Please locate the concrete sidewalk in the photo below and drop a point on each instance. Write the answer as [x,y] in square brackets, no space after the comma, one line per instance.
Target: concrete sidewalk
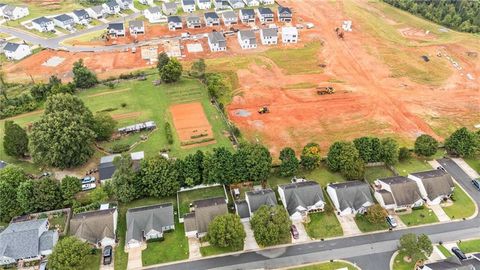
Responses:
[466,168]
[441,215]
[250,242]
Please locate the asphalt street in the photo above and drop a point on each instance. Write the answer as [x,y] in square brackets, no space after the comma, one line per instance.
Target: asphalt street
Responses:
[369,252]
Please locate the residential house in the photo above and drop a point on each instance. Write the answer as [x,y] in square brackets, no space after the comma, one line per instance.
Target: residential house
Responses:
[453,263]
[434,185]
[269,36]
[64,21]
[350,197]
[247,39]
[43,24]
[258,198]
[96,12]
[148,222]
[188,6]
[265,15]
[136,27]
[397,193]
[229,17]
[169,8]
[96,227]
[154,15]
[196,223]
[247,15]
[267,2]
[217,42]
[146,2]
[111,7]
[175,23]
[301,198]
[289,34]
[204,4]
[193,21]
[12,13]
[81,16]
[211,19]
[235,4]
[252,3]
[15,51]
[27,241]
[125,4]
[221,4]
[284,14]
[106,168]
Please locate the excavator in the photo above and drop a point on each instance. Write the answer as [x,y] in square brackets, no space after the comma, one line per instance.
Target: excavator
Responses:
[339,33]
[263,110]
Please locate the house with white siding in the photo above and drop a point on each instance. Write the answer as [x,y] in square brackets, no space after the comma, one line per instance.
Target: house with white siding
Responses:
[265,14]
[136,27]
[81,16]
[435,185]
[350,197]
[43,24]
[252,3]
[111,7]
[154,15]
[397,193]
[116,29]
[284,14]
[247,39]
[289,34]
[175,23]
[235,4]
[146,2]
[217,42]
[15,51]
[193,21]
[269,36]
[221,4]
[229,17]
[247,15]
[204,4]
[64,21]
[96,12]
[12,13]
[211,19]
[169,8]
[125,4]
[188,6]
[97,227]
[301,198]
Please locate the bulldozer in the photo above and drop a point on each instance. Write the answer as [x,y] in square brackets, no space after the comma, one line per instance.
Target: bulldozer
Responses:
[263,110]
[327,90]
[339,33]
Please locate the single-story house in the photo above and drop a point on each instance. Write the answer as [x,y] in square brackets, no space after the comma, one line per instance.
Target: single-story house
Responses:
[289,34]
[301,198]
[111,7]
[96,227]
[267,2]
[211,19]
[43,24]
[106,168]
[284,14]
[256,199]
[64,21]
[193,21]
[269,36]
[236,4]
[125,4]
[15,51]
[204,4]
[434,185]
[148,222]
[96,12]
[169,8]
[265,14]
[175,23]
[27,240]
[154,15]
[81,16]
[116,29]
[397,193]
[188,6]
[196,223]
[252,3]
[217,42]
[247,39]
[136,27]
[247,15]
[350,197]
[12,13]
[229,17]
[453,263]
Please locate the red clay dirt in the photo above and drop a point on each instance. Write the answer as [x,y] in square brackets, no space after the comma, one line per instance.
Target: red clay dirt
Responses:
[191,122]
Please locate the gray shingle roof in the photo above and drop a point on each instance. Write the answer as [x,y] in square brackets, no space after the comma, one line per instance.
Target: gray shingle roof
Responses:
[193,18]
[386,196]
[284,11]
[404,190]
[436,182]
[47,240]
[248,12]
[261,197]
[211,15]
[144,219]
[265,11]
[112,4]
[205,211]
[242,208]
[216,37]
[135,24]
[93,226]
[170,5]
[247,34]
[188,2]
[8,10]
[80,13]
[116,26]
[41,20]
[155,9]
[269,32]
[230,15]
[174,19]
[63,18]
[11,47]
[353,194]
[97,9]
[303,194]
[453,263]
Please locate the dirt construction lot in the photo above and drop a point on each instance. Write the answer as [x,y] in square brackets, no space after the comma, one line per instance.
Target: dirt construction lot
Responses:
[191,122]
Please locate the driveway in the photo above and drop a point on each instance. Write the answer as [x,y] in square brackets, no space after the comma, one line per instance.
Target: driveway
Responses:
[107,267]
[250,242]
[349,226]
[194,248]
[302,233]
[441,215]
[134,258]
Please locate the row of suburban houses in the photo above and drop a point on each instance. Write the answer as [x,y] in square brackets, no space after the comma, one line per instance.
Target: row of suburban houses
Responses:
[191,5]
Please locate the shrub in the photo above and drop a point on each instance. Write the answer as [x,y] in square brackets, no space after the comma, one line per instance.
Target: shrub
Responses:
[120,148]
[168,133]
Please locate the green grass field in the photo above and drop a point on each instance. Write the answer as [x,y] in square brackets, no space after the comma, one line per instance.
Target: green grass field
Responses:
[323,225]
[187,197]
[365,226]
[444,251]
[93,261]
[214,250]
[174,247]
[297,61]
[412,165]
[463,206]
[92,36]
[474,162]
[419,216]
[400,264]
[470,246]
[373,173]
[320,175]
[327,266]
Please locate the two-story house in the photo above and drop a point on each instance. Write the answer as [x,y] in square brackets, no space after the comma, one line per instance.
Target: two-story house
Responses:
[269,36]
[289,34]
[217,42]
[247,39]
[43,24]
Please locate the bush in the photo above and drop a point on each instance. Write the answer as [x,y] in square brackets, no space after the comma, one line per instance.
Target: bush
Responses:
[404,154]
[425,145]
[123,104]
[168,133]
[120,148]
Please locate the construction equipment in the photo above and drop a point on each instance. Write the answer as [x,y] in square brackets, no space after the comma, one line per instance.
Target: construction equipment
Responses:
[339,33]
[263,110]
[326,90]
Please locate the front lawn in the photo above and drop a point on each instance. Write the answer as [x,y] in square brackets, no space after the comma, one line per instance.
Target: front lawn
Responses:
[323,225]
[93,261]
[187,197]
[366,226]
[462,207]
[400,264]
[444,251]
[327,266]
[474,162]
[174,247]
[470,246]
[214,250]
[421,215]
[373,173]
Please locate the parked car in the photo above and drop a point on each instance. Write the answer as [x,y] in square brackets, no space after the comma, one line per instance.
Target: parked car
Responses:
[89,186]
[107,255]
[294,231]
[476,183]
[391,221]
[441,168]
[88,180]
[459,253]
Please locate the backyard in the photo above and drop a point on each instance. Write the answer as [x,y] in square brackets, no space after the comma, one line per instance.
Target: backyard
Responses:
[321,175]
[174,247]
[373,173]
[366,226]
[323,225]
[185,198]
[462,207]
[419,216]
[416,164]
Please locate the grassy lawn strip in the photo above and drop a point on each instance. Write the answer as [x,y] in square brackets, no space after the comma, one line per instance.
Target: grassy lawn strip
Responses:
[463,207]
[187,197]
[214,250]
[365,226]
[412,165]
[297,61]
[444,251]
[93,261]
[174,247]
[419,216]
[320,175]
[470,246]
[373,173]
[323,225]
[474,162]
[327,266]
[400,264]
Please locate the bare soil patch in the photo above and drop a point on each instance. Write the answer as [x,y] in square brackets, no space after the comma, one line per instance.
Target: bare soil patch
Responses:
[414,33]
[191,123]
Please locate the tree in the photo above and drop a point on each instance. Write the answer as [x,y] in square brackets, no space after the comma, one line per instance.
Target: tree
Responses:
[25,197]
[15,140]
[98,195]
[69,253]
[343,157]
[414,247]
[13,175]
[462,142]
[198,68]
[252,162]
[82,76]
[425,145]
[389,152]
[103,126]
[171,72]
[123,179]
[193,168]
[218,167]
[159,177]
[70,186]
[163,60]
[9,207]
[289,165]
[47,194]
[376,214]
[271,225]
[404,154]
[310,157]
[63,137]
[226,231]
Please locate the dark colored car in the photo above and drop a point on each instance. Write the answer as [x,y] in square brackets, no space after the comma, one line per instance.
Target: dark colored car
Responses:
[294,231]
[459,253]
[107,255]
[476,183]
[441,168]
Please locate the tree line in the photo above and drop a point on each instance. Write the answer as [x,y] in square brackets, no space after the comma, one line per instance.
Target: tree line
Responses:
[461,15]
